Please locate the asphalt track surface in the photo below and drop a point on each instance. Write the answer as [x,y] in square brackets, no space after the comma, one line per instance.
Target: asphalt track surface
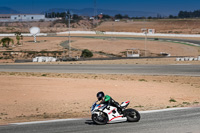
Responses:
[175,40]
[176,121]
[186,70]
[197,42]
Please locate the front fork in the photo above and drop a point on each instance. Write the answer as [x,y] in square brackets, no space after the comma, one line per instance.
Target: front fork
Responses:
[99,115]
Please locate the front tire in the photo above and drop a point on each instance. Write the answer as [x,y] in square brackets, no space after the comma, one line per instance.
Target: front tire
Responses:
[132,115]
[100,120]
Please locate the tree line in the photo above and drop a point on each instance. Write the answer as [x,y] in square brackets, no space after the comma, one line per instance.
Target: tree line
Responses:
[77,17]
[62,15]
[181,14]
[186,14]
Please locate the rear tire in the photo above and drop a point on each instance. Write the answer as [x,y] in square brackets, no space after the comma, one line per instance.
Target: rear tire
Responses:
[100,120]
[132,115]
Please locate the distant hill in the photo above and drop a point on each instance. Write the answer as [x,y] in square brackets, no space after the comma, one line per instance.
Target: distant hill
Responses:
[90,12]
[86,12]
[6,10]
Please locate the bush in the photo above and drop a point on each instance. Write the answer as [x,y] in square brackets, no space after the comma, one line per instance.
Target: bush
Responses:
[172,100]
[41,20]
[86,53]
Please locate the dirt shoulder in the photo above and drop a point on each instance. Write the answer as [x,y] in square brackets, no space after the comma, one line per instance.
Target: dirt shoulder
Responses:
[44,96]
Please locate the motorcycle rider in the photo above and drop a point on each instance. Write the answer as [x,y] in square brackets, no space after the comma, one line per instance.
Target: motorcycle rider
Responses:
[103,99]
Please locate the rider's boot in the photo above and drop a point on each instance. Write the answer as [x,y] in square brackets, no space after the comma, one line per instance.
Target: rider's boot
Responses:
[120,109]
[116,104]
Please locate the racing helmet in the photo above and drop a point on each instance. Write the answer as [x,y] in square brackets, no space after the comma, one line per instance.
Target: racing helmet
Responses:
[100,95]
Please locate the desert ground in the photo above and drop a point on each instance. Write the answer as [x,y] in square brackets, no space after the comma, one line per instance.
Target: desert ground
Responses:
[177,26]
[45,96]
[118,46]
[109,45]
[45,27]
[173,26]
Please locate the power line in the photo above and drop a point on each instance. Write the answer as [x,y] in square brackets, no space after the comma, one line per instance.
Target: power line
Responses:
[95,11]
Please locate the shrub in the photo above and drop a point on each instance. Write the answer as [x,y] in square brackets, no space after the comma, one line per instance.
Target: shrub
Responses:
[44,75]
[41,20]
[187,103]
[195,102]
[172,100]
[143,80]
[86,53]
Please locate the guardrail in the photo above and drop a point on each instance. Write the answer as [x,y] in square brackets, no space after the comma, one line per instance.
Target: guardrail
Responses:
[24,34]
[188,58]
[129,33]
[111,33]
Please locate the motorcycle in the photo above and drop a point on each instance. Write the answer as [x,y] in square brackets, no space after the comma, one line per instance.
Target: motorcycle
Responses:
[104,113]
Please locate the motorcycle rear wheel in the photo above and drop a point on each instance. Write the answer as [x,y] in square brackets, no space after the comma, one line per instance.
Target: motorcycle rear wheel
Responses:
[132,115]
[100,120]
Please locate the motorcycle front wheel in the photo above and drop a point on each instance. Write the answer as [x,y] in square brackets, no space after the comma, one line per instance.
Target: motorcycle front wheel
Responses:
[132,115]
[100,120]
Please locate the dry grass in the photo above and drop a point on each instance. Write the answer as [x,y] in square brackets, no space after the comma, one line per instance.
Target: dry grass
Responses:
[179,26]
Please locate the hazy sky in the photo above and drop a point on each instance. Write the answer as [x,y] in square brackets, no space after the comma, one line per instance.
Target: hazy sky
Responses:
[158,6]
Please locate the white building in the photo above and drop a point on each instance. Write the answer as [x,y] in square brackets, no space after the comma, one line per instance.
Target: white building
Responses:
[133,52]
[27,17]
[24,17]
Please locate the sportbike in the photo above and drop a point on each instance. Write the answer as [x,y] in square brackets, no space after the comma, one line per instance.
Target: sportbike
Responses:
[104,113]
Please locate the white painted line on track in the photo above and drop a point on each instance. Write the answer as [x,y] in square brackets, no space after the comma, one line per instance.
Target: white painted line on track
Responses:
[180,64]
[64,120]
[163,110]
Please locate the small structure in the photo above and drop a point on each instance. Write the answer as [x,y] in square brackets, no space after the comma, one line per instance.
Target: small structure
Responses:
[144,30]
[148,31]
[133,52]
[151,31]
[91,18]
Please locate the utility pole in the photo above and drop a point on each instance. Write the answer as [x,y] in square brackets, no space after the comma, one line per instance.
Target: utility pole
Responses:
[95,12]
[69,38]
[113,31]
[68,16]
[146,43]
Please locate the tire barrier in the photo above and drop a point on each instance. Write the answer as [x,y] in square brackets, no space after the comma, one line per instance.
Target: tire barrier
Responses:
[188,59]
